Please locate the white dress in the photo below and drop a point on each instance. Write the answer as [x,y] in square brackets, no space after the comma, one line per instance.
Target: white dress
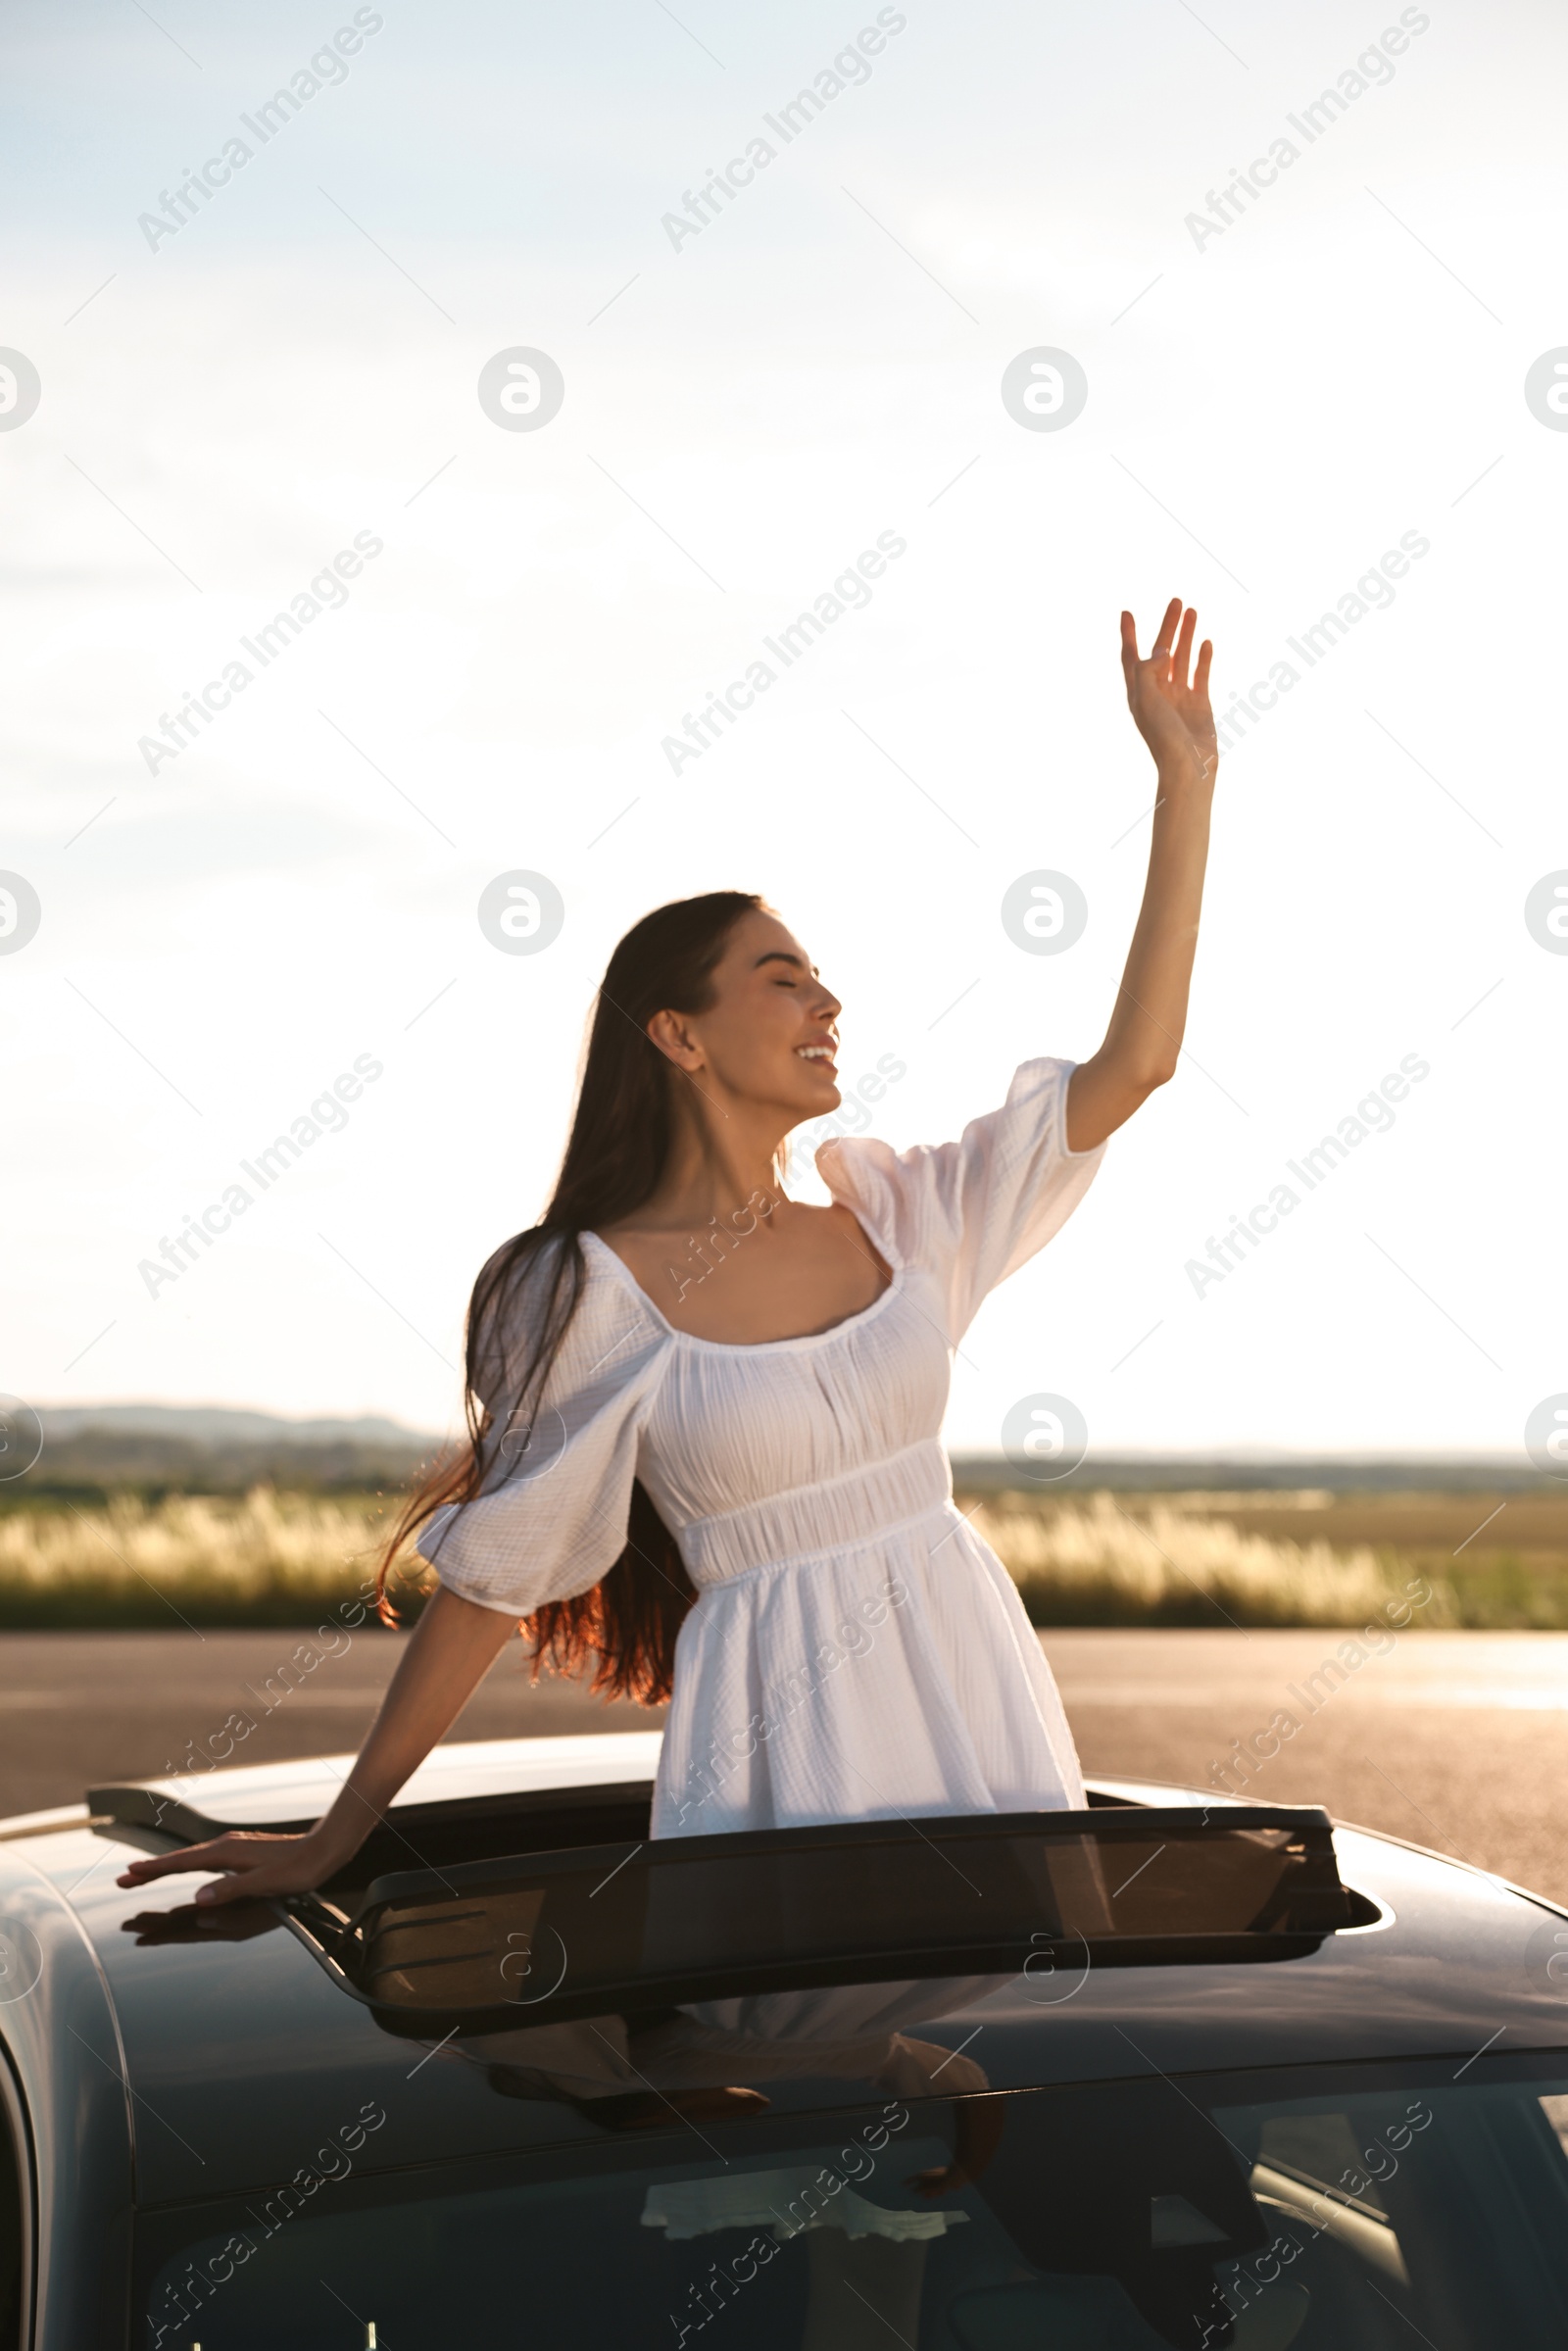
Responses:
[856,1650]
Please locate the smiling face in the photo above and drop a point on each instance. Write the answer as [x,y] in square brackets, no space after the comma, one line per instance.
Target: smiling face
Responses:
[770,1037]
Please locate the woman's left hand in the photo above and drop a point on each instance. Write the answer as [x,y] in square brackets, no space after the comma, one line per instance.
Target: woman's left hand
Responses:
[1171,714]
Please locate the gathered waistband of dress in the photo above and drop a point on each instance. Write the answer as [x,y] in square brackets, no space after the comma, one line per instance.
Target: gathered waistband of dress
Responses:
[807,1520]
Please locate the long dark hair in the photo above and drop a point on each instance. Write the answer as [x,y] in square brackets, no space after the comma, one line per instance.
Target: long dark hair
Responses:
[617,1151]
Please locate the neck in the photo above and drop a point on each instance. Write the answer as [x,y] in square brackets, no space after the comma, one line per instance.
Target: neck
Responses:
[722,1157]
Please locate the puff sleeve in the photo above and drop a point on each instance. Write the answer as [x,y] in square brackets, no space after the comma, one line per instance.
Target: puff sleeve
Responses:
[550,1519]
[971,1212]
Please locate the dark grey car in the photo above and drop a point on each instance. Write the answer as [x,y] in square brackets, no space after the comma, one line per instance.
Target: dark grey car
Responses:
[1171,2072]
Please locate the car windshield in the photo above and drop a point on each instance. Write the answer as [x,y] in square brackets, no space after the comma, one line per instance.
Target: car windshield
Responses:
[1329,2208]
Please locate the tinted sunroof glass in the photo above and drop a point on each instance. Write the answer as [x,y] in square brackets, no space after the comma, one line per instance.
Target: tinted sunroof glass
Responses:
[575,1925]
[1327,2209]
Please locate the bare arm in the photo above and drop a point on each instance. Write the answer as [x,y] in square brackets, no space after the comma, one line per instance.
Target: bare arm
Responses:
[1147,1024]
[447,1655]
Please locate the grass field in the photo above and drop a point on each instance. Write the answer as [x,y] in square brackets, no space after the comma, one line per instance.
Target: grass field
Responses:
[261,1558]
[1486,1561]
[1489,1562]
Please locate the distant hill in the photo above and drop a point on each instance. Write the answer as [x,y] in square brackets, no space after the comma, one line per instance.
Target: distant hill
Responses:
[1261,1469]
[92,1450]
[218,1424]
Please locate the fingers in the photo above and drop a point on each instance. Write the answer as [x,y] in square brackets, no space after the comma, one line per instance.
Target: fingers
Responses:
[217,1853]
[1184,650]
[1172,650]
[1159,651]
[159,1865]
[245,1865]
[238,1885]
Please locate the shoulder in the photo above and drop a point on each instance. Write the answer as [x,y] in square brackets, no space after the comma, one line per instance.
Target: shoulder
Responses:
[639,1259]
[530,1282]
[565,1296]
[974,1209]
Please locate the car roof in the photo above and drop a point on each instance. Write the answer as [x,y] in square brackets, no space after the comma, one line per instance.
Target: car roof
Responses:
[244,2058]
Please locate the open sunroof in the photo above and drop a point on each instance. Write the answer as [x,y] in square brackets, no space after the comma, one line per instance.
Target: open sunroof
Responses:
[485,1946]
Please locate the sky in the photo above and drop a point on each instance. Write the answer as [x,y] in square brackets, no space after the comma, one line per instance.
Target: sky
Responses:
[1287,383]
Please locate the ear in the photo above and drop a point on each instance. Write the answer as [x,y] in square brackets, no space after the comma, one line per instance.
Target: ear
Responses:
[672,1033]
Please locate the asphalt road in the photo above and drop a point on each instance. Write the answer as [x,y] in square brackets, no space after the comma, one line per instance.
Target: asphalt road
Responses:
[1457,1741]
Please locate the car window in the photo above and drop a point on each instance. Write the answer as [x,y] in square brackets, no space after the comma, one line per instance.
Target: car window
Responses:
[1330,2209]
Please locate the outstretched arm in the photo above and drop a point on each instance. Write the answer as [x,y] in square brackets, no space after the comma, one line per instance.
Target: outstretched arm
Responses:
[1145,1035]
[447,1655]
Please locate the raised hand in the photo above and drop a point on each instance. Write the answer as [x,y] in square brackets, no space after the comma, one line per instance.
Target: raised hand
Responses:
[1172,715]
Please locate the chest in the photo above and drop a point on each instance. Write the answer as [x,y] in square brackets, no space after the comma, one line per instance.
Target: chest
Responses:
[732,1424]
[800,1274]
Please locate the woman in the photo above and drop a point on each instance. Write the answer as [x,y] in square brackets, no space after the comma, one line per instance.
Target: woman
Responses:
[679,1346]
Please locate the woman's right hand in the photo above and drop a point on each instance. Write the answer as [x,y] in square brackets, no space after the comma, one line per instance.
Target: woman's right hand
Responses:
[255,1865]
